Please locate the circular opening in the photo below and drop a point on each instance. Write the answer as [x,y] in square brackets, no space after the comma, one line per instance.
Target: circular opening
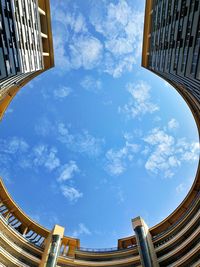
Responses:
[97,140]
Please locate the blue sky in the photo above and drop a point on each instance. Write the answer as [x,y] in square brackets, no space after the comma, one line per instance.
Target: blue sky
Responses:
[98,140]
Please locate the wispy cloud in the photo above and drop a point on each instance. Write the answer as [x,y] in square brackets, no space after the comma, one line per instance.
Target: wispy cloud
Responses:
[38,157]
[166,153]
[91,84]
[183,187]
[113,45]
[117,68]
[81,143]
[67,171]
[61,59]
[180,188]
[117,159]
[46,157]
[72,20]
[62,92]
[71,193]
[74,45]
[11,150]
[81,230]
[173,124]
[64,23]
[85,51]
[44,127]
[190,150]
[121,196]
[140,102]
[119,193]
[116,163]
[121,26]
[13,145]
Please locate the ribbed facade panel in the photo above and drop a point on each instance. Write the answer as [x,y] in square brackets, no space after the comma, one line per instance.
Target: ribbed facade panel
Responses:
[20,41]
[174,49]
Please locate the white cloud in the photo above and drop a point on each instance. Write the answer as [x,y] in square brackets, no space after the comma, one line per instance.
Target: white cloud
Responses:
[85,51]
[191,152]
[43,126]
[115,165]
[121,26]
[18,151]
[180,188]
[60,41]
[81,143]
[44,156]
[140,103]
[173,124]
[73,21]
[12,151]
[162,157]
[79,24]
[67,171]
[62,92]
[116,68]
[119,46]
[71,193]
[120,196]
[165,153]
[91,84]
[184,187]
[117,159]
[82,230]
[65,22]
[89,144]
[76,45]
[14,145]
[157,137]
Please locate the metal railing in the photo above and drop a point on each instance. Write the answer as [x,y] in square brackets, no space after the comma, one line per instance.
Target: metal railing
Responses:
[104,250]
[194,201]
[38,240]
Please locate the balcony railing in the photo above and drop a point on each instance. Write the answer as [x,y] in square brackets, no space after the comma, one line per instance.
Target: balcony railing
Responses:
[104,250]
[194,201]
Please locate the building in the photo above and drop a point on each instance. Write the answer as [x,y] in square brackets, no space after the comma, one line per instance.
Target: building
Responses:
[26,47]
[172,43]
[173,242]
[170,50]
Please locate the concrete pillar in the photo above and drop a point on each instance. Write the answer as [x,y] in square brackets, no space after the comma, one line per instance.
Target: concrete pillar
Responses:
[71,250]
[24,230]
[145,244]
[7,215]
[52,247]
[54,251]
[65,250]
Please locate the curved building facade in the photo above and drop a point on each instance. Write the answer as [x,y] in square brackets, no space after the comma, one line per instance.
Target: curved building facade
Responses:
[171,47]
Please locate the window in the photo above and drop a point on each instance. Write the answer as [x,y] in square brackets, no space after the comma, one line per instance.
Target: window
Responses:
[195,54]
[196,5]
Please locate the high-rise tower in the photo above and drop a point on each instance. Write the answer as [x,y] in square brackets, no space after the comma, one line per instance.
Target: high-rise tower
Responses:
[171,44]
[171,49]
[26,47]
